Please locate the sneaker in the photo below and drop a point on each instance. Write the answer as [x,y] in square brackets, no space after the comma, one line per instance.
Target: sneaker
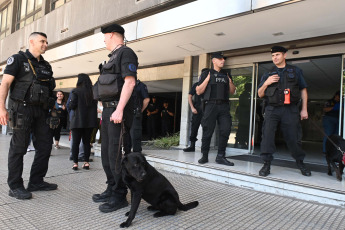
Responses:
[44,186]
[20,193]
[57,147]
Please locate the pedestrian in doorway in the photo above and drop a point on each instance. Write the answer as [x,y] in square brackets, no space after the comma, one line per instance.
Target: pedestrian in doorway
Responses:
[330,120]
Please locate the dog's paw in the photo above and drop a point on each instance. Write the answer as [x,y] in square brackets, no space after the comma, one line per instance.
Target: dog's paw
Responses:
[329,173]
[127,214]
[124,225]
[339,178]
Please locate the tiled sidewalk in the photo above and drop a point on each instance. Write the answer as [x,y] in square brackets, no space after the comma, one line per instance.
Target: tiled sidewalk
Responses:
[221,206]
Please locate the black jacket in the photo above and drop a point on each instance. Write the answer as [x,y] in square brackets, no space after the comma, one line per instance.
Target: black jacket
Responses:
[84,116]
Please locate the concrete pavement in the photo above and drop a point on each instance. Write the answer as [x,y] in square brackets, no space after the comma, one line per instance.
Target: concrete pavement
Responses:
[221,206]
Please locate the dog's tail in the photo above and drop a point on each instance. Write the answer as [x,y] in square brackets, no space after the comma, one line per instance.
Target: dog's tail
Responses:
[185,207]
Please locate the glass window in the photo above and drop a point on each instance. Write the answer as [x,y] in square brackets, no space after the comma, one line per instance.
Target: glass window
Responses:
[28,11]
[4,22]
[57,3]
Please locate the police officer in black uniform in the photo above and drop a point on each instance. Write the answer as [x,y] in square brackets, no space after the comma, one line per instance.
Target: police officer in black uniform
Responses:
[166,116]
[216,86]
[141,100]
[152,118]
[29,78]
[282,87]
[195,106]
[114,88]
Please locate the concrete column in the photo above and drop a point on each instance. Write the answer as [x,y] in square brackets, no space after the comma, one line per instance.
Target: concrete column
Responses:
[185,114]
[204,62]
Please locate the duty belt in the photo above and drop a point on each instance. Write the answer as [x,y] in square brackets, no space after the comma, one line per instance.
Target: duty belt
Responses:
[110,104]
[218,102]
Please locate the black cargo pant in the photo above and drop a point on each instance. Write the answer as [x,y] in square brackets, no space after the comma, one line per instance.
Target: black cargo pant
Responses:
[110,143]
[213,113]
[136,132]
[196,121]
[35,121]
[289,119]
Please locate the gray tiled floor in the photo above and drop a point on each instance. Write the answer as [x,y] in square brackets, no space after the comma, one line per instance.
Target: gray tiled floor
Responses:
[221,206]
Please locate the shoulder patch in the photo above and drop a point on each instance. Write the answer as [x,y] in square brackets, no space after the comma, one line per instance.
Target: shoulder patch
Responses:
[10,60]
[132,67]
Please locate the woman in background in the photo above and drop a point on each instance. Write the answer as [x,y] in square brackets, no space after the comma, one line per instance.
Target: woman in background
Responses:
[84,118]
[60,108]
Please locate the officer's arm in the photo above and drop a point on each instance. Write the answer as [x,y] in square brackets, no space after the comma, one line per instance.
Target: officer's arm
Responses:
[232,88]
[304,111]
[155,112]
[190,102]
[126,93]
[145,103]
[4,88]
[261,90]
[200,89]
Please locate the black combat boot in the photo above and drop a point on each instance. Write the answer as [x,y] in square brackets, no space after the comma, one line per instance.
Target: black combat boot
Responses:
[203,159]
[104,196]
[191,148]
[304,170]
[115,202]
[20,193]
[265,170]
[220,159]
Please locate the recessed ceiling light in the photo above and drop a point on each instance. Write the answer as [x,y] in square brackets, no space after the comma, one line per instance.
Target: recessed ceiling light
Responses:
[278,34]
[139,51]
[90,61]
[219,34]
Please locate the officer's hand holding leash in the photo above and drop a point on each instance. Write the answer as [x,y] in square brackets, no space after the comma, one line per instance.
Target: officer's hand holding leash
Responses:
[117,116]
[194,111]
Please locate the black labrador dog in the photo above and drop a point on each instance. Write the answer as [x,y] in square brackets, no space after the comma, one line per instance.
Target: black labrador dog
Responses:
[145,182]
[333,155]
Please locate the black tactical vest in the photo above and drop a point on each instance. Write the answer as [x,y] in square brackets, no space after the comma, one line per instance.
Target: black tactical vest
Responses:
[110,81]
[218,87]
[275,91]
[22,89]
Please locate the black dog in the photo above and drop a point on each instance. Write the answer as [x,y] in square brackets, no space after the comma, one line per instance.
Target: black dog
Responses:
[335,156]
[147,183]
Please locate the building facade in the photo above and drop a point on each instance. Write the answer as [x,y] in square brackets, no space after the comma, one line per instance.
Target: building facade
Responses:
[173,40]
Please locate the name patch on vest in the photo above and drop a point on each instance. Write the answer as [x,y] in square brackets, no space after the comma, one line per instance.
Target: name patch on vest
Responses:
[26,67]
[221,80]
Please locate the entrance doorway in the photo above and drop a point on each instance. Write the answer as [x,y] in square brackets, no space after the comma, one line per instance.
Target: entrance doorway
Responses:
[323,76]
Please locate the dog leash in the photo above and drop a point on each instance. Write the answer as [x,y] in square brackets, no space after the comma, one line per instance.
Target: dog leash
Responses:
[120,150]
[336,146]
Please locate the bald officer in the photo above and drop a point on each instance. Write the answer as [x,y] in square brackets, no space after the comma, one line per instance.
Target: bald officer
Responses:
[30,81]
[115,87]
[282,88]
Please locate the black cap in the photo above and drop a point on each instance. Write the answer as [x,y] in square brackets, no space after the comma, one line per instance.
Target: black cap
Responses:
[218,55]
[275,49]
[113,28]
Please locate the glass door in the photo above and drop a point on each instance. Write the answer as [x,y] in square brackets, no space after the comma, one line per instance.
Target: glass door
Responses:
[342,92]
[241,104]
